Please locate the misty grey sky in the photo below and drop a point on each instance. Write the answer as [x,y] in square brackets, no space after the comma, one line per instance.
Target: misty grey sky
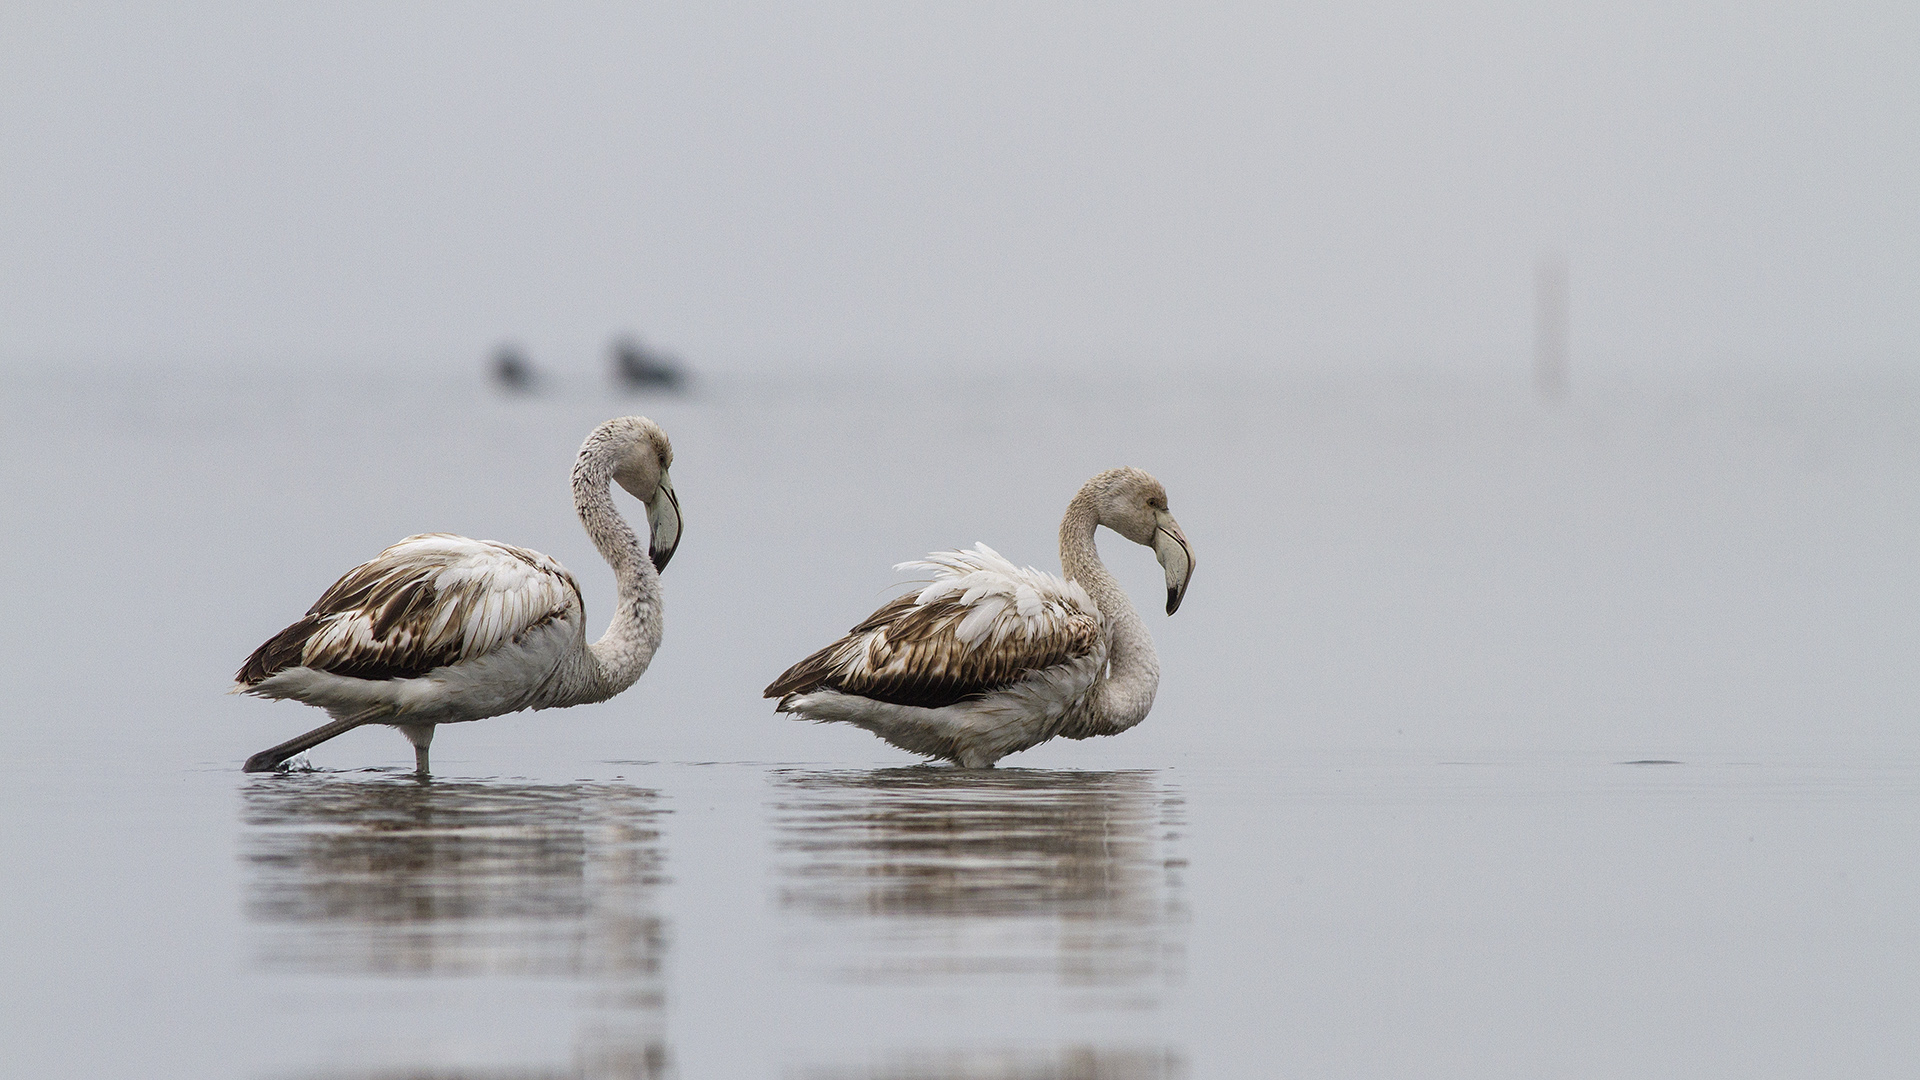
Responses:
[760,185]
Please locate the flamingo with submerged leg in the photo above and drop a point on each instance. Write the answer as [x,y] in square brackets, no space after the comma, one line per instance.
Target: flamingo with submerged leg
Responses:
[440,629]
[989,659]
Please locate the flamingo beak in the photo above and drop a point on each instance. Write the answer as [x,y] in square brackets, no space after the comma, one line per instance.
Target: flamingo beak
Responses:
[1176,558]
[663,524]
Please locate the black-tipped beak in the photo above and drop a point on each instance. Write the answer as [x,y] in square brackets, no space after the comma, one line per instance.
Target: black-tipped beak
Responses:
[663,525]
[1176,558]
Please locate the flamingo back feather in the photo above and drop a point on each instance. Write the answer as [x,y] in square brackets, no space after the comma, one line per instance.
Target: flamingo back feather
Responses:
[426,602]
[981,624]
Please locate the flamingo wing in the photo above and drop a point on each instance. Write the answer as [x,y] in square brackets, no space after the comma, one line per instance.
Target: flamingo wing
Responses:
[980,625]
[426,602]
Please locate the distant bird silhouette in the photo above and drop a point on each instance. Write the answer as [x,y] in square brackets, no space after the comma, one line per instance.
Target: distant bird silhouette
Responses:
[438,629]
[512,369]
[637,367]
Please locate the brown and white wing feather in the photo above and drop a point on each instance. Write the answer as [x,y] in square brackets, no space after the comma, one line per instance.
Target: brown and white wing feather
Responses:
[426,602]
[982,624]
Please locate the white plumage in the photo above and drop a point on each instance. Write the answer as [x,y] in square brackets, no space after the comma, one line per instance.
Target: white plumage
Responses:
[440,629]
[482,595]
[988,658]
[1005,604]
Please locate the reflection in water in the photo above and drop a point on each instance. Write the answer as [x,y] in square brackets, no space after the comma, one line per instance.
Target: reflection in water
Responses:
[458,879]
[945,880]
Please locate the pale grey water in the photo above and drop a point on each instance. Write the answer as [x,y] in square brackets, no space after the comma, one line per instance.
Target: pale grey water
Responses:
[1378,824]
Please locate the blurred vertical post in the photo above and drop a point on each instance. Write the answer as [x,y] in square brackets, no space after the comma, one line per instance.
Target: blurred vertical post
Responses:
[1550,331]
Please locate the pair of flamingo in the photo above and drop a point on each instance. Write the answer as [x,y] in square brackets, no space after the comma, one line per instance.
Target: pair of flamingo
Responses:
[986,660]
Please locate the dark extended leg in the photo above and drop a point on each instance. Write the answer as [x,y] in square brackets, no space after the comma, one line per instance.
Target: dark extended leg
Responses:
[270,759]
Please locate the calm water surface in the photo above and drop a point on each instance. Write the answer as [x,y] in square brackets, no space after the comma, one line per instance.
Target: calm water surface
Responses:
[1392,814]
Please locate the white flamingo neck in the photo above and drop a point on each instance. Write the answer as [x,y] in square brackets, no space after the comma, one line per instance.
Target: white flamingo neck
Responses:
[1121,699]
[622,654]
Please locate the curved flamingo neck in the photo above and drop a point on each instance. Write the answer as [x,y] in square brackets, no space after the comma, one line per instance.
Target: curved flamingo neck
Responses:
[622,654]
[1121,699]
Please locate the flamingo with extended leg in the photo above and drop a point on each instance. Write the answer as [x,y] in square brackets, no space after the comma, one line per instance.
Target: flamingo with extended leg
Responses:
[989,659]
[439,629]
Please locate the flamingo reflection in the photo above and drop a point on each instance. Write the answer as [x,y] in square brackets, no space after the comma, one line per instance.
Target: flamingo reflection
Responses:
[394,877]
[948,882]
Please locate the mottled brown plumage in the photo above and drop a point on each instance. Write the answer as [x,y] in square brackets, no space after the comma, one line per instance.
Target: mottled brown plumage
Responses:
[912,653]
[388,619]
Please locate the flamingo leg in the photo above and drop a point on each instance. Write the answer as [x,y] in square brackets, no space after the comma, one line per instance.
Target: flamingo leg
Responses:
[269,759]
[421,735]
